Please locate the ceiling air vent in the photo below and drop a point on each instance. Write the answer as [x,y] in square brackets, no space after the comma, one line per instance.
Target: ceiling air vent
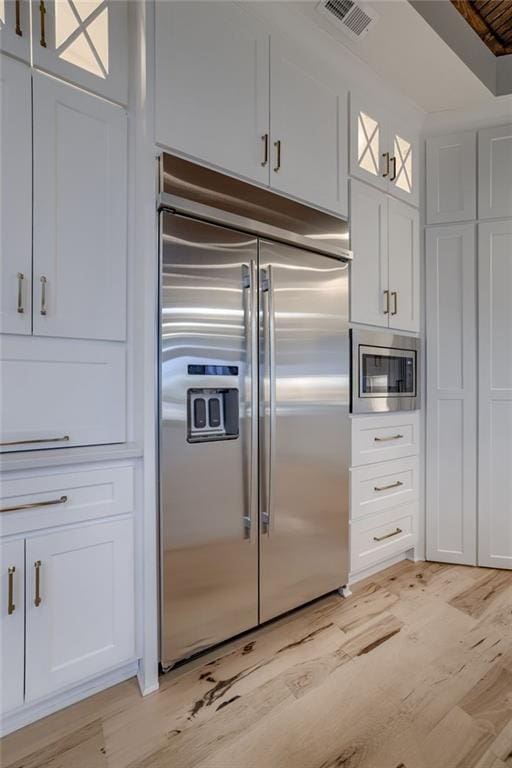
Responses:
[355,19]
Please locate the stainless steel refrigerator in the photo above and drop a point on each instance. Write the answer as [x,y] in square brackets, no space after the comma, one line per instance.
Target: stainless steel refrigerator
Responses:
[254,429]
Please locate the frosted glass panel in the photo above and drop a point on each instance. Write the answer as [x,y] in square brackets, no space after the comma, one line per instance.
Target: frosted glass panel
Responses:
[403,155]
[81,34]
[368,143]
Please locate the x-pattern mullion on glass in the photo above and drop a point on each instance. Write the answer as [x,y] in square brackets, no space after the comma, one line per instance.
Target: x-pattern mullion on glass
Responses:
[368,154]
[82,30]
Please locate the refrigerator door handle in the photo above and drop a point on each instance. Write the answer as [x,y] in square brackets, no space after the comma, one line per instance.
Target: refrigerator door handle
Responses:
[251,399]
[269,397]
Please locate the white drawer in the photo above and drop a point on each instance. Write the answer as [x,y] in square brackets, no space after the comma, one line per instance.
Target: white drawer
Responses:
[384,437]
[381,486]
[381,536]
[81,495]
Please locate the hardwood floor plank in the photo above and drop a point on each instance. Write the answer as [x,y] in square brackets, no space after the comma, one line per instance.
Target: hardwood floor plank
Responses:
[476,599]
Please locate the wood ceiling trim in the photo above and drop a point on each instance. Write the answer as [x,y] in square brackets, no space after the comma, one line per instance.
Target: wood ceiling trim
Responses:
[480,15]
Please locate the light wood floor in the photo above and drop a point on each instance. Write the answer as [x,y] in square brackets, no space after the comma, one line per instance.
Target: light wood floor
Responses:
[413,671]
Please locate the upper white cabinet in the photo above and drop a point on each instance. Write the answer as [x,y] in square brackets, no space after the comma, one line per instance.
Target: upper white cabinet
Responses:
[12,623]
[15,28]
[451,178]
[385,270]
[84,42]
[15,197]
[495,394]
[495,172]
[452,392]
[308,128]
[212,85]
[383,153]
[80,200]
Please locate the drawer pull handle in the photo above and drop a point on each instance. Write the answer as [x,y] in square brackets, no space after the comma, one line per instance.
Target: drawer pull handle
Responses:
[37,598]
[64,438]
[388,535]
[385,439]
[35,504]
[20,309]
[387,487]
[10,601]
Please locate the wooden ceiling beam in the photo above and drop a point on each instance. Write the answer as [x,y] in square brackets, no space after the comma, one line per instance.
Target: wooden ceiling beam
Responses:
[480,26]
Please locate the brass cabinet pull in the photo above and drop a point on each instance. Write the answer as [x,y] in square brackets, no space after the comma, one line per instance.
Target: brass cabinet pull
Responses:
[20,308]
[388,535]
[386,297]
[37,598]
[43,294]
[393,175]
[394,294]
[10,600]
[277,145]
[35,504]
[387,487]
[42,12]
[64,438]
[18,18]
[386,156]
[385,439]
[264,139]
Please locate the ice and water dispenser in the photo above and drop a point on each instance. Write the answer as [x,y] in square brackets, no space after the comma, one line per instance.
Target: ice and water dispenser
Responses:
[212,412]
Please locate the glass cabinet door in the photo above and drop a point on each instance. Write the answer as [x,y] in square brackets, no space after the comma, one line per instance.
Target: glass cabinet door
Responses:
[369,159]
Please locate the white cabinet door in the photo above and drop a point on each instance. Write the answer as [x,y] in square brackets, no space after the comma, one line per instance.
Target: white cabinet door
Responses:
[15,28]
[80,604]
[495,395]
[404,165]
[83,42]
[451,178]
[15,197]
[404,266]
[369,152]
[369,297]
[61,392]
[212,85]
[12,623]
[451,393]
[495,172]
[80,213]
[308,129]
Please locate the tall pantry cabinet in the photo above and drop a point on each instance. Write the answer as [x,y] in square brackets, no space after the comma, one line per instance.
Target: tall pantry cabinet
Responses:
[469,355]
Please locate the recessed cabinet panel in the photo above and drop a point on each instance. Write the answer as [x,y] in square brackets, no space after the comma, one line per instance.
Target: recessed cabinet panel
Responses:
[404,265]
[495,172]
[12,623]
[369,296]
[308,129]
[451,178]
[84,42]
[80,199]
[451,386]
[60,393]
[80,604]
[212,85]
[15,28]
[15,197]
[495,394]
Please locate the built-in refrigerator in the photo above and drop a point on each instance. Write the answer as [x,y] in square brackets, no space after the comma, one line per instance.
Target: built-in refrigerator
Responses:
[254,428]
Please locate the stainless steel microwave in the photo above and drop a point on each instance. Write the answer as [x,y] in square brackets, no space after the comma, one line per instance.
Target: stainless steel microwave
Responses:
[385,372]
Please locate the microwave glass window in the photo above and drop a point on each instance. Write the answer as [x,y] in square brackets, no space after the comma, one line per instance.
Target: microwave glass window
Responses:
[387,374]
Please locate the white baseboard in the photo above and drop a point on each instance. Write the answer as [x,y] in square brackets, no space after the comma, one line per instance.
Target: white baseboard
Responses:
[29,713]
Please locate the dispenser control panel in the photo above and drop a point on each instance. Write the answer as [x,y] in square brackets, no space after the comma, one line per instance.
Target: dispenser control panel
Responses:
[212,414]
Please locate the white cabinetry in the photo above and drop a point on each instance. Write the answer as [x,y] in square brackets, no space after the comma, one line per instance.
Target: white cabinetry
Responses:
[451,387]
[85,43]
[15,197]
[495,394]
[451,178]
[80,201]
[385,270]
[308,128]
[12,623]
[382,153]
[495,172]
[80,610]
[212,85]
[15,28]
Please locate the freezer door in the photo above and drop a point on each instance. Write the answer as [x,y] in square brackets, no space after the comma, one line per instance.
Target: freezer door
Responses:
[304,427]
[208,437]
